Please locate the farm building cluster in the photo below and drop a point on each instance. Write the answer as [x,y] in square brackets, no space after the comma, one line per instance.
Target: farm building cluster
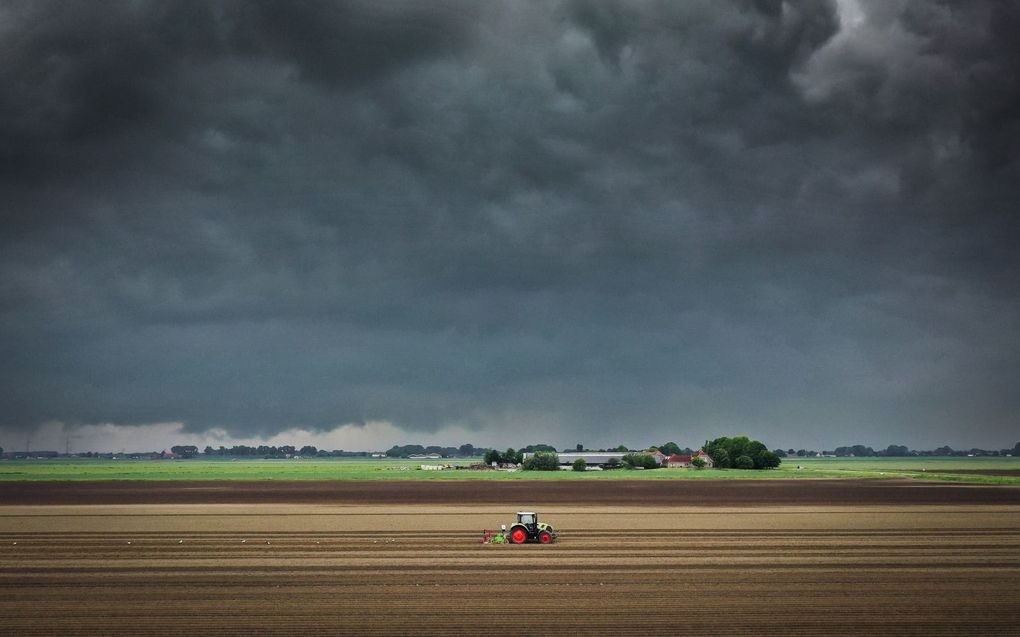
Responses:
[601,459]
[594,461]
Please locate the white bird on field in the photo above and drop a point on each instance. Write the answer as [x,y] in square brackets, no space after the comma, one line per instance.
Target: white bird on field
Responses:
[180,541]
[244,541]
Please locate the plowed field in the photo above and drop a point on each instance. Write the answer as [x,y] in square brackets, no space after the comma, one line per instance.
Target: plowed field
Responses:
[420,569]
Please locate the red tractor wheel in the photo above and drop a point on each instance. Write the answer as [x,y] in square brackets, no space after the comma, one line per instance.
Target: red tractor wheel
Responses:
[545,537]
[518,535]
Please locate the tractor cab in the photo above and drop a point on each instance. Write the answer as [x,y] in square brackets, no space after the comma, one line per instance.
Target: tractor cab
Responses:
[529,529]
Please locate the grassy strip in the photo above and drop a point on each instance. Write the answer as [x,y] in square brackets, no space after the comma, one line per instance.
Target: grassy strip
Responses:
[148,470]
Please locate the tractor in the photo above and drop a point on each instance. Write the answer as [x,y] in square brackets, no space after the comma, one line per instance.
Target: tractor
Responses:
[529,529]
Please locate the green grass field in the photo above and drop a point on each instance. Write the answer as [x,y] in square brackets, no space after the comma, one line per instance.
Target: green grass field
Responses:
[387,469]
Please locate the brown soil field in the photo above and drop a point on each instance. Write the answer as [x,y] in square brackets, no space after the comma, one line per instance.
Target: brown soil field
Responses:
[552,492]
[393,569]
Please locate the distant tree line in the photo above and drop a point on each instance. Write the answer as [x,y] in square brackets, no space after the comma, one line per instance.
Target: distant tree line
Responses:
[740,445]
[510,456]
[896,451]
[269,451]
[404,451]
[667,448]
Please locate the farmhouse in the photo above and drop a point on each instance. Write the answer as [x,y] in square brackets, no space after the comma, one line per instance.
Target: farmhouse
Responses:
[700,453]
[686,461]
[679,462]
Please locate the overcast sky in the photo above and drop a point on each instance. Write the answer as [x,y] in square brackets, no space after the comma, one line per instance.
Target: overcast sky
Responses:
[362,223]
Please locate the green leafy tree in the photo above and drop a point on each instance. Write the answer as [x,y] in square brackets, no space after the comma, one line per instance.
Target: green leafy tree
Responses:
[643,460]
[720,457]
[537,448]
[726,451]
[622,448]
[492,456]
[613,463]
[744,462]
[769,460]
[580,447]
[580,465]
[670,448]
[542,461]
[698,462]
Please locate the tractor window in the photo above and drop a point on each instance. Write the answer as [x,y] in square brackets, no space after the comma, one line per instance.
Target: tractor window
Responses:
[527,519]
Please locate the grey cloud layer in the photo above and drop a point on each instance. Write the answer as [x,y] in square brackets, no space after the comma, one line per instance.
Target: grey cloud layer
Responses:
[620,219]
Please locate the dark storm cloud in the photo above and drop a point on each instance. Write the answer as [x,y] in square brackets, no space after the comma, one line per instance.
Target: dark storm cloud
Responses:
[603,221]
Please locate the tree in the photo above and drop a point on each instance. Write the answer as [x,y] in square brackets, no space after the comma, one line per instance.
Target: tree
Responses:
[466,450]
[542,461]
[580,447]
[308,450]
[744,462]
[1016,449]
[622,449]
[185,451]
[769,460]
[643,460]
[725,452]
[779,452]
[539,447]
[721,457]
[698,462]
[491,456]
[896,450]
[580,465]
[670,448]
[613,463]
[513,457]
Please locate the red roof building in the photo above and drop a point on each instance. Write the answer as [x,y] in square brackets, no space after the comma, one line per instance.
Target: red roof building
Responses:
[678,462]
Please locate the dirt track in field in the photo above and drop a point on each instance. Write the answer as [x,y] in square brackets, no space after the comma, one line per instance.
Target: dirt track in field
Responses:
[385,569]
[537,492]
